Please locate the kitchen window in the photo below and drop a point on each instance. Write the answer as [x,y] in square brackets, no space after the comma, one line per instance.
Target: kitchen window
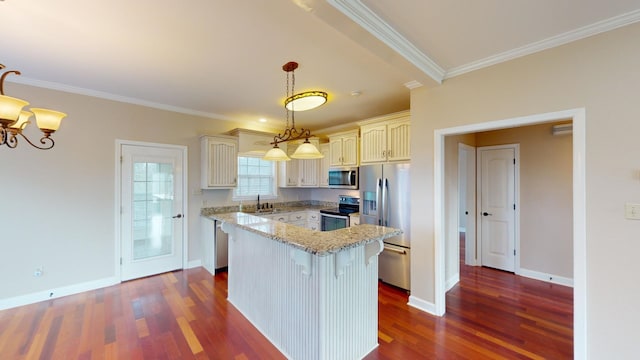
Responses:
[255,177]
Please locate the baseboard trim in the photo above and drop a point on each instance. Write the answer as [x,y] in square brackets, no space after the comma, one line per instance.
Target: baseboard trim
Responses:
[452,281]
[56,293]
[555,279]
[423,305]
[194,264]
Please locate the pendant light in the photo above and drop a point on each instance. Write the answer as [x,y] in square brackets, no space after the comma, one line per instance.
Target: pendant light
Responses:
[306,150]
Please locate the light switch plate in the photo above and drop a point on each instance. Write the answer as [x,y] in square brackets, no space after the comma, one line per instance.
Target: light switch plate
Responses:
[632,211]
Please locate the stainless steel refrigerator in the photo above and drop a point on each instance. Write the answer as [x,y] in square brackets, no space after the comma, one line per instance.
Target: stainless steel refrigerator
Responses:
[385,200]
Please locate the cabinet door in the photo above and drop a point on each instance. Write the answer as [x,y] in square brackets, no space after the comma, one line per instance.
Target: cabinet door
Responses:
[323,176]
[399,141]
[373,143]
[220,162]
[350,150]
[308,172]
[336,151]
[292,172]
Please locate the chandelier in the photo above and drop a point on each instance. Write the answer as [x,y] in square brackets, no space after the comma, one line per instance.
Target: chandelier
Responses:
[306,100]
[13,119]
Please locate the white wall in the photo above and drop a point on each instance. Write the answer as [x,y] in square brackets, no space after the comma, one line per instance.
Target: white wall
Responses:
[601,74]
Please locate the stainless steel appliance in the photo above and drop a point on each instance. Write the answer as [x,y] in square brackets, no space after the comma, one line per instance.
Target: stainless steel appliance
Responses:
[343,178]
[338,218]
[385,198]
[221,243]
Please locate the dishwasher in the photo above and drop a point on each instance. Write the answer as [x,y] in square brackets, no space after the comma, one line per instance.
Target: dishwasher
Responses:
[222,251]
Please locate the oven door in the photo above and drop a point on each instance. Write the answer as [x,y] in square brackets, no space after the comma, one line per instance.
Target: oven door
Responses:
[333,222]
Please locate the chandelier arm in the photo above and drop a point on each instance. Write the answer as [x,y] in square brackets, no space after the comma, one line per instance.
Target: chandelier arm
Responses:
[46,141]
[4,135]
[4,75]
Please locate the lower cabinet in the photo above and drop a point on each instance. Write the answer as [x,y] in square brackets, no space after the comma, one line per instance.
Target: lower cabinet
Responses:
[307,219]
[313,220]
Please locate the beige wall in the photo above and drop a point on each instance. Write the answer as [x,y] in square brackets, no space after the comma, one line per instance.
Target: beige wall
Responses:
[600,74]
[58,205]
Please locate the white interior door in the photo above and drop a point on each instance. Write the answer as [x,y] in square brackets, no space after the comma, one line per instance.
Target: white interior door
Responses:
[151,210]
[496,210]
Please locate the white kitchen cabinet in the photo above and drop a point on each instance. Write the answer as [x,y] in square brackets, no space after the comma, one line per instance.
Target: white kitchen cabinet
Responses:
[299,172]
[354,219]
[386,139]
[313,220]
[219,162]
[344,148]
[325,163]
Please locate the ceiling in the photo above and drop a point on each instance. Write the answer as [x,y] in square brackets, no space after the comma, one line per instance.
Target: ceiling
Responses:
[223,58]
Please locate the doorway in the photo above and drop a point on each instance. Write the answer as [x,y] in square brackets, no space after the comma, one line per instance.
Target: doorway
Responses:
[578,118]
[152,179]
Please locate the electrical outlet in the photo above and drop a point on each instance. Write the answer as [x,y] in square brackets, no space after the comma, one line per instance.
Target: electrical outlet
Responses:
[632,211]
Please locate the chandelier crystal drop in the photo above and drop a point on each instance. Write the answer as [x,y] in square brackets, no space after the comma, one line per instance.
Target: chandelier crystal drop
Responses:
[13,119]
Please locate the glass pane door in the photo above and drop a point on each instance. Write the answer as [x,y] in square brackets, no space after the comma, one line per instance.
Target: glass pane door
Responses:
[152,209]
[152,216]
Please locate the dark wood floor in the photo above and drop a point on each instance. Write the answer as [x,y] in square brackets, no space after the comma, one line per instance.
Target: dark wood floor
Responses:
[185,315]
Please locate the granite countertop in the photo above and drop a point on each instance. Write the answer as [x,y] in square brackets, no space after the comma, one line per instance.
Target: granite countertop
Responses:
[279,208]
[319,243]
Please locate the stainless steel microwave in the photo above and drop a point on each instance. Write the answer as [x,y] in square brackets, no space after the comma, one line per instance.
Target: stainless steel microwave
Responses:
[343,178]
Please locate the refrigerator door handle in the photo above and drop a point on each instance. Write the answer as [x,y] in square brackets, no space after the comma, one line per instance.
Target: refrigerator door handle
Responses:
[385,194]
[379,206]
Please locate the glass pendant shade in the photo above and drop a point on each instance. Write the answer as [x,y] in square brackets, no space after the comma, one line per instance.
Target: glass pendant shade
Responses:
[276,154]
[13,119]
[11,107]
[305,101]
[48,119]
[23,120]
[306,150]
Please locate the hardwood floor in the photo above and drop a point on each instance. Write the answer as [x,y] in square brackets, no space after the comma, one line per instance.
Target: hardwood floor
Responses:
[185,315]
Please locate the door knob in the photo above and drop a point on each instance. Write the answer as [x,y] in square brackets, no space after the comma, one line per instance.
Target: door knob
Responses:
[177,216]
[486,214]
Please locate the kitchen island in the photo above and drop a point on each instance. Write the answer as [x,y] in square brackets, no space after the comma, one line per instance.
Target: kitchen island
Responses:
[313,294]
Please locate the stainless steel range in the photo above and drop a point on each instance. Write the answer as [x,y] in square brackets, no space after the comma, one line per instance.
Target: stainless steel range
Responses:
[338,218]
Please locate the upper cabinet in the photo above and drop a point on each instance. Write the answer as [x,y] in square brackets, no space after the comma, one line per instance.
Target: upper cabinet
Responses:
[344,149]
[219,162]
[386,138]
[323,177]
[298,172]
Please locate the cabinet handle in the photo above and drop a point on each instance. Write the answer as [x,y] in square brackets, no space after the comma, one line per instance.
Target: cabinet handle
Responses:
[389,153]
[384,153]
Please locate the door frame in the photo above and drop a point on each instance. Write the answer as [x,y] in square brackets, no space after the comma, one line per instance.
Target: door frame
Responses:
[469,179]
[578,116]
[516,199]
[118,201]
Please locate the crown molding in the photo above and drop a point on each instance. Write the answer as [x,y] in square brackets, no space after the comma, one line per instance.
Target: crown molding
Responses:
[370,21]
[554,41]
[108,96]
